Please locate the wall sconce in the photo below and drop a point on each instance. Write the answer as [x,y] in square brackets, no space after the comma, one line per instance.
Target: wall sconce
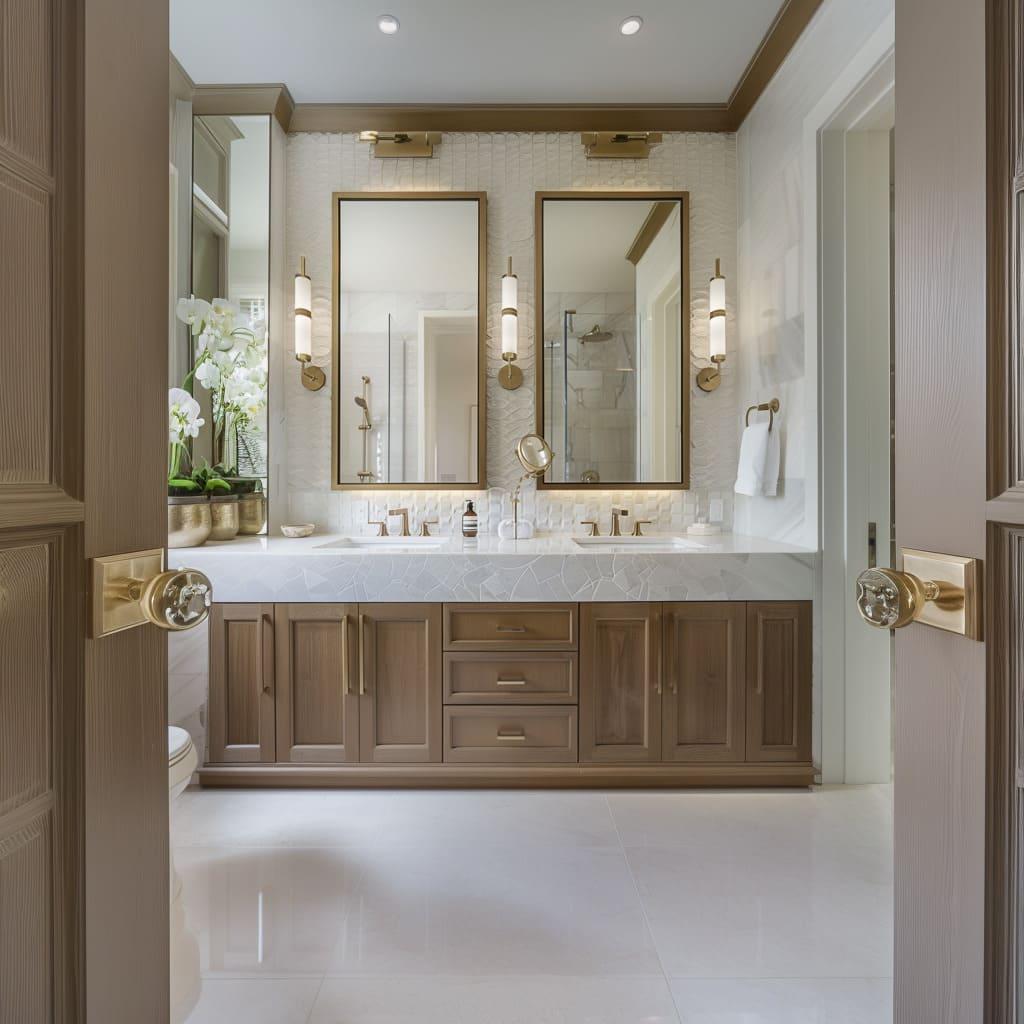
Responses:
[619,145]
[313,378]
[711,377]
[401,144]
[510,376]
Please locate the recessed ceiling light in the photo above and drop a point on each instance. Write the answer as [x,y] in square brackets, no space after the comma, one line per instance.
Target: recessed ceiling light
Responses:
[388,24]
[631,25]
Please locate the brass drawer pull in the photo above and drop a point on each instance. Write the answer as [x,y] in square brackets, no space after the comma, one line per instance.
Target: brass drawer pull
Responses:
[506,735]
[362,655]
[346,682]
[511,629]
[511,682]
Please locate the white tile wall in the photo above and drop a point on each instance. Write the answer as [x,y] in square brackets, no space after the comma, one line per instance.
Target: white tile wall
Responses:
[510,168]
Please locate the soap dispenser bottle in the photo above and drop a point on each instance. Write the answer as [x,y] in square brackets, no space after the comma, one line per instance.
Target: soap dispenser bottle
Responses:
[469,521]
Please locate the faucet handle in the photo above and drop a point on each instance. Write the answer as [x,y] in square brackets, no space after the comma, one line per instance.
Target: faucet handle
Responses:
[381,524]
[637,524]
[425,525]
[593,531]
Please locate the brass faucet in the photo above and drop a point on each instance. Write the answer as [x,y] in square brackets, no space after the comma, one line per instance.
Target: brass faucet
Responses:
[616,513]
[594,531]
[637,531]
[404,513]
[425,526]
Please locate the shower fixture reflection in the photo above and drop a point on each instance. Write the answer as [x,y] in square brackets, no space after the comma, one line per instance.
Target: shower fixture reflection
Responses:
[365,476]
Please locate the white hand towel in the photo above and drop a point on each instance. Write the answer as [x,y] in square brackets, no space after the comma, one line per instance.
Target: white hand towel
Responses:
[758,471]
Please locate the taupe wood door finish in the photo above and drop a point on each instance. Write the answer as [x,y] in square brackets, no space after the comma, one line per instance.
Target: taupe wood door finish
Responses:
[317,703]
[83,349]
[510,627]
[620,682]
[242,683]
[399,678]
[941,369]
[703,707]
[779,681]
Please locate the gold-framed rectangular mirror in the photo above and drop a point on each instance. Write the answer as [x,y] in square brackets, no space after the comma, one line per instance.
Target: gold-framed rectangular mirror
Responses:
[613,319]
[409,285]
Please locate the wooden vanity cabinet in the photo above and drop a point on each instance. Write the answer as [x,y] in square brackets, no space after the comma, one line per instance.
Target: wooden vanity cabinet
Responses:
[620,682]
[631,693]
[317,702]
[703,709]
[779,681]
[399,682]
[242,683]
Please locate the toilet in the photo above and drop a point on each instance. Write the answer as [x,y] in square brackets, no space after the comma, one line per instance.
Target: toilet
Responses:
[181,763]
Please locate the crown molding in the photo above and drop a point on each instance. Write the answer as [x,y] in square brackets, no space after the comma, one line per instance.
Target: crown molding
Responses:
[508,117]
[789,24]
[275,100]
[181,85]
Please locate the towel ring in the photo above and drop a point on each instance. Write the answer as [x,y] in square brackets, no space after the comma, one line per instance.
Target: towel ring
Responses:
[771,408]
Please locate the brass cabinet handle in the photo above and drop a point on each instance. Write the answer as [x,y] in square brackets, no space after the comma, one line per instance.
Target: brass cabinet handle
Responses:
[506,735]
[511,682]
[510,629]
[346,682]
[362,655]
[267,678]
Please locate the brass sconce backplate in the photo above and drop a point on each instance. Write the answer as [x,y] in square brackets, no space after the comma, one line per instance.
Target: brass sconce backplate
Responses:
[619,145]
[401,144]
[709,379]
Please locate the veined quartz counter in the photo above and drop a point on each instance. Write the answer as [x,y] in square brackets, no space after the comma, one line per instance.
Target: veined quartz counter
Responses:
[725,567]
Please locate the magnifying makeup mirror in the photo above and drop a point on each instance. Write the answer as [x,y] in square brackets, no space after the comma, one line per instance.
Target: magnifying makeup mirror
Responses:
[535,456]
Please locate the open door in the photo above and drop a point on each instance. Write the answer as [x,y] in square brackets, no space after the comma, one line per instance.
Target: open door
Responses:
[83,439]
[959,481]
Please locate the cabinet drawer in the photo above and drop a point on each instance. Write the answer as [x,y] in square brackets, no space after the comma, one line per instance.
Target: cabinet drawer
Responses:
[510,627]
[528,678]
[510,735]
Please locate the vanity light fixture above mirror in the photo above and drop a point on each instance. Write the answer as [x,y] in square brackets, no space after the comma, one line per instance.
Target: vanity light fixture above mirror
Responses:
[401,144]
[313,378]
[510,376]
[710,377]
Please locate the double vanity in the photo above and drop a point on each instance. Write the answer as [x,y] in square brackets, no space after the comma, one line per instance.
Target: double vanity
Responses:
[604,661]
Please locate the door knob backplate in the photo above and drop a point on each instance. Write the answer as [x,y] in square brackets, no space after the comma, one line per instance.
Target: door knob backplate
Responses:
[943,591]
[130,590]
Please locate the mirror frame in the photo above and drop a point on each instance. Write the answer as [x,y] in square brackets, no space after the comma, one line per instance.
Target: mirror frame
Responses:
[683,198]
[480,483]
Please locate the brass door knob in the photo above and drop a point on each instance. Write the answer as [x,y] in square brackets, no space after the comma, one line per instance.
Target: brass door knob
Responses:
[891,599]
[177,599]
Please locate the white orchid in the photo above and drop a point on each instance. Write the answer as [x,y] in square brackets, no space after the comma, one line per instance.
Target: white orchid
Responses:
[184,422]
[209,375]
[194,312]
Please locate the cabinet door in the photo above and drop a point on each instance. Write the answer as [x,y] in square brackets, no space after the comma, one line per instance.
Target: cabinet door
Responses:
[779,681]
[317,706]
[241,683]
[620,682]
[703,708]
[399,677]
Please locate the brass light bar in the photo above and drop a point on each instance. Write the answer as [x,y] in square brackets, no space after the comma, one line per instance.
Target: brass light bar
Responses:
[401,144]
[619,145]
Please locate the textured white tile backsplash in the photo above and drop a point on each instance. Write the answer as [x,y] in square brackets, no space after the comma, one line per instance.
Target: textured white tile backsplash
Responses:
[510,168]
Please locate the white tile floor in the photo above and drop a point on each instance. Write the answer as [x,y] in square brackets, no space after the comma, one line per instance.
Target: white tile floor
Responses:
[359,907]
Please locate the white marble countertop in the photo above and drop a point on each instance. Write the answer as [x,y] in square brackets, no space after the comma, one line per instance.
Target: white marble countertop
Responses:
[722,567]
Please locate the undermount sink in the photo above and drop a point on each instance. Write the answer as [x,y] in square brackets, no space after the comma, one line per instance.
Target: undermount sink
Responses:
[385,543]
[665,543]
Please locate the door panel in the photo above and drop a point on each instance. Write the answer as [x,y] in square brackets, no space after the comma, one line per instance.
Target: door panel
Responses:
[317,707]
[779,681]
[620,682]
[242,683]
[400,681]
[704,700]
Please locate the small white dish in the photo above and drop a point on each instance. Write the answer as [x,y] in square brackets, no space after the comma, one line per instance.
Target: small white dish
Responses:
[298,529]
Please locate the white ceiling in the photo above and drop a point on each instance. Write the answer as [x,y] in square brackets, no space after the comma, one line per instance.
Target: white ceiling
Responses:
[474,51]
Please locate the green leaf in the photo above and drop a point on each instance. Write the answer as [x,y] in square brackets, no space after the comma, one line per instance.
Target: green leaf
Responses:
[183,482]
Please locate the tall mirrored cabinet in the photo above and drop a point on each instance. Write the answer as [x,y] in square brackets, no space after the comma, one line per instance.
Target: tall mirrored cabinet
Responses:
[613,376]
[410,307]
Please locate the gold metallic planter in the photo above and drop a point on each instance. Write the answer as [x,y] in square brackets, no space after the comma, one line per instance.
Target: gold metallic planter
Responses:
[188,522]
[252,513]
[224,512]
